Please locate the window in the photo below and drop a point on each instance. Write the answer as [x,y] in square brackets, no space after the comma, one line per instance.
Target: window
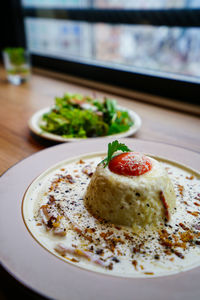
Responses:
[145,45]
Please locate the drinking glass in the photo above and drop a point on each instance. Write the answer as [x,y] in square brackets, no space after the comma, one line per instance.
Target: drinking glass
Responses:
[17,65]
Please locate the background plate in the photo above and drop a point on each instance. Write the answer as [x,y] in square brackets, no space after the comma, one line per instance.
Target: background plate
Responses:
[37,117]
[41,271]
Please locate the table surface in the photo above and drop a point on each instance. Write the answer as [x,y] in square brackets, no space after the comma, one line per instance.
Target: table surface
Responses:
[18,103]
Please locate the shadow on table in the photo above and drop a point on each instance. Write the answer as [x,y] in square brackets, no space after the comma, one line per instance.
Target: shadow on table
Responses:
[41,142]
[12,289]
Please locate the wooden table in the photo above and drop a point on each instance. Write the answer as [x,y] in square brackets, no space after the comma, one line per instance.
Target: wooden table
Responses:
[18,103]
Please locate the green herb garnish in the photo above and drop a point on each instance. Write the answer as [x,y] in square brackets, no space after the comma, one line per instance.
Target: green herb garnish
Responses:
[78,116]
[112,148]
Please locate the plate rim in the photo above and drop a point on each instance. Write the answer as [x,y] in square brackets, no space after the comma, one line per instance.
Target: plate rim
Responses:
[129,284]
[34,127]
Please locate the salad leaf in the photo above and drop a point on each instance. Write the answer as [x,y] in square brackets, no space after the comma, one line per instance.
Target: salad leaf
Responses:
[109,110]
[75,115]
[112,148]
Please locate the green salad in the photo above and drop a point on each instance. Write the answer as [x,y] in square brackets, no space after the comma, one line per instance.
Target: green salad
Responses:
[78,116]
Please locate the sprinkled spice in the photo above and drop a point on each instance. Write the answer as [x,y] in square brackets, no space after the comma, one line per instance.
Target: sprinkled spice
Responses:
[183,226]
[177,253]
[166,207]
[134,263]
[115,259]
[81,161]
[194,213]
[99,251]
[69,178]
[88,170]
[110,267]
[181,189]
[190,177]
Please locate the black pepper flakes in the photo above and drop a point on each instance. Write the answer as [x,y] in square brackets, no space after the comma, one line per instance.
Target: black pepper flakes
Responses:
[157,257]
[115,259]
[99,251]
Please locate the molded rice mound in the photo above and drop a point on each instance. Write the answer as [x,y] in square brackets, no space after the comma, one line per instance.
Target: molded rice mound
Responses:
[136,201]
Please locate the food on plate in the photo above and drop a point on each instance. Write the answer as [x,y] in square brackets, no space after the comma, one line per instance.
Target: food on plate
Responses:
[131,189]
[78,116]
[55,210]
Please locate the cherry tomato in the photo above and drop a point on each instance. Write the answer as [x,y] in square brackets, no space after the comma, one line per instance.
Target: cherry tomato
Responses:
[130,164]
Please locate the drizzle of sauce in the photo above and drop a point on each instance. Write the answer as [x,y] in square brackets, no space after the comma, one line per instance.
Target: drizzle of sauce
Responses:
[130,164]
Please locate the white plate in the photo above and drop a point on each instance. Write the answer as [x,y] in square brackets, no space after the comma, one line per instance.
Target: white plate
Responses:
[43,272]
[36,119]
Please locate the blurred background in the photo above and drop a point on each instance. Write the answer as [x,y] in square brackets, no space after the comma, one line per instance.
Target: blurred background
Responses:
[164,49]
[162,44]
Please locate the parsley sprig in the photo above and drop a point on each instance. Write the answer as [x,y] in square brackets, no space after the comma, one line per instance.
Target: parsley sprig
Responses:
[112,148]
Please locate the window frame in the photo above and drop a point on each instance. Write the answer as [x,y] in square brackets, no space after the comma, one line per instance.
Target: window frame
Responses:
[157,83]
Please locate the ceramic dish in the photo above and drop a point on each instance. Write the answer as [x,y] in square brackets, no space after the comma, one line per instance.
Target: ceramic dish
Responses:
[36,120]
[42,271]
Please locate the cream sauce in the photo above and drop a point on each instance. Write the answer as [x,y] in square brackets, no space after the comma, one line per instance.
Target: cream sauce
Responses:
[107,248]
